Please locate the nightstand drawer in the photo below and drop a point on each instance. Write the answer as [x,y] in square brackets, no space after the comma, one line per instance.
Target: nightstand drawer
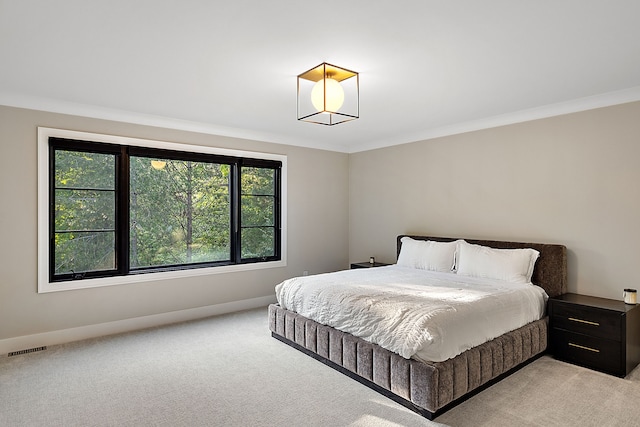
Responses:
[587,320]
[597,353]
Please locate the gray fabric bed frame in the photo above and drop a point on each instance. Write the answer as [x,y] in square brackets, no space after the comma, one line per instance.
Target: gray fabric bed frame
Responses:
[429,388]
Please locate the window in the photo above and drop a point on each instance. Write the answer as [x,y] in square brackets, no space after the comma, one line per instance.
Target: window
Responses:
[119,209]
[259,207]
[83,214]
[180,212]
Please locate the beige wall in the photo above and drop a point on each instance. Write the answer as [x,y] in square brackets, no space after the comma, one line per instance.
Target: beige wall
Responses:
[317,232]
[571,179]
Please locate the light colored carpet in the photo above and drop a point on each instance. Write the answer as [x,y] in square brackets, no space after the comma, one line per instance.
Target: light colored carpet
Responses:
[228,371]
[548,393]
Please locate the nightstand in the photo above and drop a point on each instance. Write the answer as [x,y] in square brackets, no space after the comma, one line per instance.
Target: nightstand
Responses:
[598,333]
[367,265]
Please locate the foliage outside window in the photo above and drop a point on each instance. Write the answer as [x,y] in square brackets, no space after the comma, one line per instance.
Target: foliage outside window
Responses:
[118,210]
[179,213]
[258,206]
[84,215]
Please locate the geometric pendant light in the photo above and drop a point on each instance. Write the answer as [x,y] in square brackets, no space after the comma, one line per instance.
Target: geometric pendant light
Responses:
[328,95]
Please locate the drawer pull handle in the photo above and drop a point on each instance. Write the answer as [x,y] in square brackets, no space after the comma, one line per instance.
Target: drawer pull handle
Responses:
[584,348]
[584,321]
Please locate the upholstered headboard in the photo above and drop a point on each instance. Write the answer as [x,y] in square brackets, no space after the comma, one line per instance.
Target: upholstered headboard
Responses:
[550,272]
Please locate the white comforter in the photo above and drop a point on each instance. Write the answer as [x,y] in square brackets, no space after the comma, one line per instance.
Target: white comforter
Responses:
[415,313]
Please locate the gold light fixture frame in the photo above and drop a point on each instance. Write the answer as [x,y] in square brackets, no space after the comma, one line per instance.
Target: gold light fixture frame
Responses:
[349,80]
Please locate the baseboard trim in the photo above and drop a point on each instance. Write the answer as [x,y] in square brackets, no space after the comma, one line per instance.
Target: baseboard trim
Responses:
[126,325]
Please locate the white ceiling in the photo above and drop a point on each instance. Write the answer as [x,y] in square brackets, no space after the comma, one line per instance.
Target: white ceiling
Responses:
[427,68]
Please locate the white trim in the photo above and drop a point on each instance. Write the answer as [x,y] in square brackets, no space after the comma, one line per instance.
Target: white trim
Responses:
[45,133]
[85,110]
[126,116]
[119,326]
[43,206]
[545,111]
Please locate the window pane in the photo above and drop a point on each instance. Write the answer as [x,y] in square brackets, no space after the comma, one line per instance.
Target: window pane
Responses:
[258,242]
[84,216]
[180,212]
[257,210]
[84,170]
[84,210]
[80,252]
[258,181]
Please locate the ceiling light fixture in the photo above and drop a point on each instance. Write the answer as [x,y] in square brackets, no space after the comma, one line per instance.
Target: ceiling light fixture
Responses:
[328,95]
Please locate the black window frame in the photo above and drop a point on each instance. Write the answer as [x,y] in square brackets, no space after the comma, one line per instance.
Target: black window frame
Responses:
[122,155]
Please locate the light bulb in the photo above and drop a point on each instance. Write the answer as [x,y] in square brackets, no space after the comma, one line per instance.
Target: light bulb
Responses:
[334,95]
[158,164]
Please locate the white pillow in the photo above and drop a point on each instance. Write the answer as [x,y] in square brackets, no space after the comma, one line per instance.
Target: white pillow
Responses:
[427,254]
[511,265]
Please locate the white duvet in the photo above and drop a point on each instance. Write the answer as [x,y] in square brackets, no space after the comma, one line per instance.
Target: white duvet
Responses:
[416,313]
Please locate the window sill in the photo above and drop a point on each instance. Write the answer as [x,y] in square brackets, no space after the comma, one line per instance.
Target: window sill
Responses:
[44,286]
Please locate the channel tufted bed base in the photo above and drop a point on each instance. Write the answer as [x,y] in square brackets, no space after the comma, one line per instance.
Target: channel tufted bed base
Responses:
[429,388]
[426,388]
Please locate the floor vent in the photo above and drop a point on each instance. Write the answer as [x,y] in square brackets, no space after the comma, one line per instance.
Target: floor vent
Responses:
[27,351]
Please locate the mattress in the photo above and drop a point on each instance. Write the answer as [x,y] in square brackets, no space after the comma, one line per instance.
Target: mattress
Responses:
[428,316]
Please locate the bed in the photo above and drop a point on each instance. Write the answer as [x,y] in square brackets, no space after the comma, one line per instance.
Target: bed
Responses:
[425,386]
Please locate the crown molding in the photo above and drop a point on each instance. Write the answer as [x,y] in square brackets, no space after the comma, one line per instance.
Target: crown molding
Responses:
[552,110]
[104,113]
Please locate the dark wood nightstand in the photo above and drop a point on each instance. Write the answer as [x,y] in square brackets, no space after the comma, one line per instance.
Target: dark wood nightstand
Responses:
[598,333]
[367,265]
